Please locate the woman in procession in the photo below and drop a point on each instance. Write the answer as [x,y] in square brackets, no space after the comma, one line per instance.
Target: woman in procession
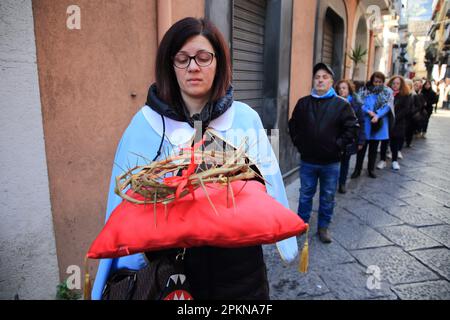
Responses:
[346,89]
[402,104]
[193,83]
[378,102]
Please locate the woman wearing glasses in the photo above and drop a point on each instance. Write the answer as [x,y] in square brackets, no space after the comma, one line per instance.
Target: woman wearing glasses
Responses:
[193,83]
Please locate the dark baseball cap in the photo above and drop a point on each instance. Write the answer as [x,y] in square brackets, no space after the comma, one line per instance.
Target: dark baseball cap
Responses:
[323,66]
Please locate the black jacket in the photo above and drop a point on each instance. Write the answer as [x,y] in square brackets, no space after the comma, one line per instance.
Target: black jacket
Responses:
[227,273]
[321,129]
[402,109]
[357,105]
[431,98]
[418,109]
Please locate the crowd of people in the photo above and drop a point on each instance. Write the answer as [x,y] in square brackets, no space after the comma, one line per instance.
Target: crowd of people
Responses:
[334,123]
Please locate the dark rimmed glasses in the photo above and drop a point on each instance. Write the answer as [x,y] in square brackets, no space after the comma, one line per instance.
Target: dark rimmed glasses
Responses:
[202,59]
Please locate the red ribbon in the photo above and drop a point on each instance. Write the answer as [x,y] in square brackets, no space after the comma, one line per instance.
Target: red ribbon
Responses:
[180,182]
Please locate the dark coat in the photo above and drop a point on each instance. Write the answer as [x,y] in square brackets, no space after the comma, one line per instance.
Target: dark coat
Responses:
[357,105]
[322,129]
[402,110]
[431,98]
[214,274]
[418,109]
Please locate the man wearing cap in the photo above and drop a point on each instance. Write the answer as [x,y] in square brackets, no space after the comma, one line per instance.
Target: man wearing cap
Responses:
[321,127]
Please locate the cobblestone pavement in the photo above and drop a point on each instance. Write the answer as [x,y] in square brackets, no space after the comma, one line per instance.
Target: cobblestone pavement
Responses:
[391,235]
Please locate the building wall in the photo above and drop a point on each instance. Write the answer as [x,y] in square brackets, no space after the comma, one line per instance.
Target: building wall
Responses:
[300,80]
[371,55]
[360,36]
[302,52]
[87,78]
[338,6]
[191,8]
[351,7]
[28,263]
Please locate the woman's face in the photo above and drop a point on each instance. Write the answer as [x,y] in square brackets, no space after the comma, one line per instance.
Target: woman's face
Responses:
[195,81]
[343,90]
[377,82]
[396,84]
[417,86]
[427,85]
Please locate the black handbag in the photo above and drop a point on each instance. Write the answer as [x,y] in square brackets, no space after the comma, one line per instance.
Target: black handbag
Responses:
[417,116]
[375,127]
[162,279]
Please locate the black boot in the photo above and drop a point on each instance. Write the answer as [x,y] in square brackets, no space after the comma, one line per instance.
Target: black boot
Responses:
[355,174]
[372,175]
[342,189]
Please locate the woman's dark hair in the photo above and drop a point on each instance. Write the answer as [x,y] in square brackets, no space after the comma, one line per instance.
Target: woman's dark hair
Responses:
[427,82]
[376,74]
[350,85]
[168,89]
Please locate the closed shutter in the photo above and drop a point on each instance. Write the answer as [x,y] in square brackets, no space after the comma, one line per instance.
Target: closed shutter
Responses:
[328,43]
[248,51]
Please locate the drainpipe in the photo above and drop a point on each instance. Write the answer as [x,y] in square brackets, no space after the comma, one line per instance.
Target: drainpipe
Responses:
[164,11]
[369,56]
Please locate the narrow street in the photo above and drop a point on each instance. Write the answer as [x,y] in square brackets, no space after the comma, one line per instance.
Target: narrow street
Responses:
[397,226]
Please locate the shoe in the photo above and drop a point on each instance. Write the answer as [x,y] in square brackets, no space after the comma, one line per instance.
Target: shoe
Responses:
[372,175]
[324,235]
[395,165]
[400,156]
[355,174]
[342,189]
[381,165]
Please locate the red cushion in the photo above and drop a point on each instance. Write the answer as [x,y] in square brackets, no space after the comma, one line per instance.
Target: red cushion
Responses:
[258,219]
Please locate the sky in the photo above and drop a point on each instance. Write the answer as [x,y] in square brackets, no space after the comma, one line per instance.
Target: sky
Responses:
[419,10]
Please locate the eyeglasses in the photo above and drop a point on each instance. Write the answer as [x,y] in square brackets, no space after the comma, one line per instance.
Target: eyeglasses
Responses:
[202,59]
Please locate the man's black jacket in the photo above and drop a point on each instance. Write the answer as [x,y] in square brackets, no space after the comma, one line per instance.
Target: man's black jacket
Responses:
[321,129]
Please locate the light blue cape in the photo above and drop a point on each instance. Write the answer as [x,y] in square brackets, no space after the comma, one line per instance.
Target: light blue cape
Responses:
[140,142]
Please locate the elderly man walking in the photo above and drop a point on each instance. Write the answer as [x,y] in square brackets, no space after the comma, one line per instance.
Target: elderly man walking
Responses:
[322,126]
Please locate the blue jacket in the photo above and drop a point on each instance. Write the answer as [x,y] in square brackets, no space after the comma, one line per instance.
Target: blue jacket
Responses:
[141,141]
[382,113]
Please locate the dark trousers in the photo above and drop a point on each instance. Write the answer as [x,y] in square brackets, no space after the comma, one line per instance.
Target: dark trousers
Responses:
[395,143]
[227,273]
[373,146]
[411,128]
[424,126]
[343,171]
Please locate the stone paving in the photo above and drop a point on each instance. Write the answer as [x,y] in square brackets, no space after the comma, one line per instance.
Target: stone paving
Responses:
[391,235]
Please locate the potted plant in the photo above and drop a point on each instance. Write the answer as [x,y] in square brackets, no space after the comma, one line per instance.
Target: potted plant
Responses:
[357,56]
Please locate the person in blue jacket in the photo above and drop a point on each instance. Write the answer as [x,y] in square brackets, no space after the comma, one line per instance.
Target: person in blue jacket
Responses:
[193,84]
[378,110]
[346,89]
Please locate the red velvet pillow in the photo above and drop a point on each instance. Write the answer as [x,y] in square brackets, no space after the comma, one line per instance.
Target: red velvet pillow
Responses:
[257,219]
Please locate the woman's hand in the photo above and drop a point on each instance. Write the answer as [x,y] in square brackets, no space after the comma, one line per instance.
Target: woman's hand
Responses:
[360,146]
[372,114]
[374,119]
